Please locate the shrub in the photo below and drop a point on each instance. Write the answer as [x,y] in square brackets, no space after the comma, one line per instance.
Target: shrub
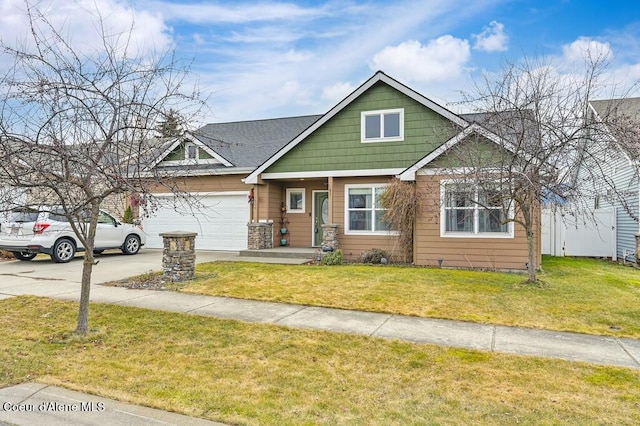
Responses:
[332,258]
[375,255]
[128,215]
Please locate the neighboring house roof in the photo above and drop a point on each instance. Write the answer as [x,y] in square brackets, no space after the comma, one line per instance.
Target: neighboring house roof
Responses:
[622,118]
[377,77]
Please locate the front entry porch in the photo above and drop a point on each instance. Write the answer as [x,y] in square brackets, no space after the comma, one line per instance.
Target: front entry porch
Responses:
[283,253]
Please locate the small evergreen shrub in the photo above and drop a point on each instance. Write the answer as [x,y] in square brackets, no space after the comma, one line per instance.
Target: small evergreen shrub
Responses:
[375,256]
[332,258]
[127,217]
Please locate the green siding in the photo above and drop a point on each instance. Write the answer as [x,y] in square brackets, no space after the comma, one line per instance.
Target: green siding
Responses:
[474,151]
[178,154]
[336,145]
[203,155]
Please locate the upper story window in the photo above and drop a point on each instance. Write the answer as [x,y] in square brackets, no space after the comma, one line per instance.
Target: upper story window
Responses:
[190,151]
[382,126]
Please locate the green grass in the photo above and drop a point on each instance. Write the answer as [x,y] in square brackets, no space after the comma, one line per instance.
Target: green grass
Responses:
[580,295]
[259,374]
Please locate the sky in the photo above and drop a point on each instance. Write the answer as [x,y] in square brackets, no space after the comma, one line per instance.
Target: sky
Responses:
[266,59]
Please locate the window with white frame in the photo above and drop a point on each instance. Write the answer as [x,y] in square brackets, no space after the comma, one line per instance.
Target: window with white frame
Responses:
[382,126]
[295,200]
[365,213]
[470,210]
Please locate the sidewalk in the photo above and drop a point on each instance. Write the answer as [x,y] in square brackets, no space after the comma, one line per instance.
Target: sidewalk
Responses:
[486,337]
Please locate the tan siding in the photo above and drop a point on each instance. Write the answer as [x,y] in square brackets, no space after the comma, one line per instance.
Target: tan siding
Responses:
[219,183]
[353,246]
[493,253]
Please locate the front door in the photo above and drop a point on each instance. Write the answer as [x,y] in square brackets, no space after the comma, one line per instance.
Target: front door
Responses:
[320,215]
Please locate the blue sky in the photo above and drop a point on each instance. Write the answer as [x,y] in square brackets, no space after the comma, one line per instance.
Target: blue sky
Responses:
[264,59]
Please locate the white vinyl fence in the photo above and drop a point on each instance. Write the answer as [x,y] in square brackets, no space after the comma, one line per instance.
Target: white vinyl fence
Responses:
[565,234]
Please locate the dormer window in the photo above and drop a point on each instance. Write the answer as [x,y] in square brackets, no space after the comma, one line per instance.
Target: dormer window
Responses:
[382,126]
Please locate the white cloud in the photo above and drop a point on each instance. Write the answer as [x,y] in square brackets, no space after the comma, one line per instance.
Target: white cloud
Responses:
[492,38]
[78,22]
[337,92]
[204,12]
[584,48]
[440,59]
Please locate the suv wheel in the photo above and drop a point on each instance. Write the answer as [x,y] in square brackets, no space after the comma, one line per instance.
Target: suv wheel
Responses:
[24,255]
[63,251]
[131,244]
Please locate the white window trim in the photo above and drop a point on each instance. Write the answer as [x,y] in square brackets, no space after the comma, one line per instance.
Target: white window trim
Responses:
[347,230]
[476,225]
[188,145]
[363,116]
[293,210]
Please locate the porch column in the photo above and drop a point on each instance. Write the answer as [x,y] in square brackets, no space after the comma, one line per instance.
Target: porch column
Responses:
[330,237]
[260,235]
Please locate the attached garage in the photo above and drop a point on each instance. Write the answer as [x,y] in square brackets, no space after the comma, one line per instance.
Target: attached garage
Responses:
[220,219]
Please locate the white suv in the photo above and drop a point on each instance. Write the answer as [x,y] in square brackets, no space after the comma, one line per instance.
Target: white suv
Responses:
[52,234]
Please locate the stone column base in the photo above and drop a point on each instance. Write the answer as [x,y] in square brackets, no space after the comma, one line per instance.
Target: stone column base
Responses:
[179,256]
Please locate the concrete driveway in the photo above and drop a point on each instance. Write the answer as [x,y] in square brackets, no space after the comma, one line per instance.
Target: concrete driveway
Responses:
[44,277]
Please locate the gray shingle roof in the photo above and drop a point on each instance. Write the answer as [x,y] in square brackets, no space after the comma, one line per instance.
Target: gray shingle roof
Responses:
[622,118]
[251,143]
[628,107]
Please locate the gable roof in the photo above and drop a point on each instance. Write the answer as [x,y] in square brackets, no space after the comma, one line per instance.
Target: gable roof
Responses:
[410,173]
[238,147]
[250,143]
[377,77]
[622,118]
[490,125]
[167,145]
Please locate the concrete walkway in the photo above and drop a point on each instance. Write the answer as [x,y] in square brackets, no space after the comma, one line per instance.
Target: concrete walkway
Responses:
[486,337]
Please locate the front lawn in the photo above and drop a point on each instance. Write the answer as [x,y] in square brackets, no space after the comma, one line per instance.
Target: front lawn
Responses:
[261,374]
[580,295]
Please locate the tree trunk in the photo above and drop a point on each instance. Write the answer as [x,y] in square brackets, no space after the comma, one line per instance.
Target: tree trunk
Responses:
[531,252]
[87,268]
[531,264]
[83,311]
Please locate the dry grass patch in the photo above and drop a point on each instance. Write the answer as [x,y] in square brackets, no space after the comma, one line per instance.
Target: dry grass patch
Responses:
[258,374]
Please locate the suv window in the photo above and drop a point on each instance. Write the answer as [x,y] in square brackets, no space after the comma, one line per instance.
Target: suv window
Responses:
[105,218]
[22,216]
[58,216]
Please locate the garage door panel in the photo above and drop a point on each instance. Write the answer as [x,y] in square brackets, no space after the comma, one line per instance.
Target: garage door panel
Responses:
[219,220]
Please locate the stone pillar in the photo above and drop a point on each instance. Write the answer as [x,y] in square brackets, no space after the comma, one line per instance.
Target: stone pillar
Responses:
[179,256]
[329,237]
[260,235]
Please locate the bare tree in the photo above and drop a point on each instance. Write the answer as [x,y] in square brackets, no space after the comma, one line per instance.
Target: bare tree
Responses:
[76,127]
[526,149]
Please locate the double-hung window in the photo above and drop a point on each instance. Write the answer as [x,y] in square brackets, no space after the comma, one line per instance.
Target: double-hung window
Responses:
[382,126]
[474,211]
[365,214]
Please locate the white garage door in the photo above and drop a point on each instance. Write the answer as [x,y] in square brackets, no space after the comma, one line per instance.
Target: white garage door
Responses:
[219,219]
